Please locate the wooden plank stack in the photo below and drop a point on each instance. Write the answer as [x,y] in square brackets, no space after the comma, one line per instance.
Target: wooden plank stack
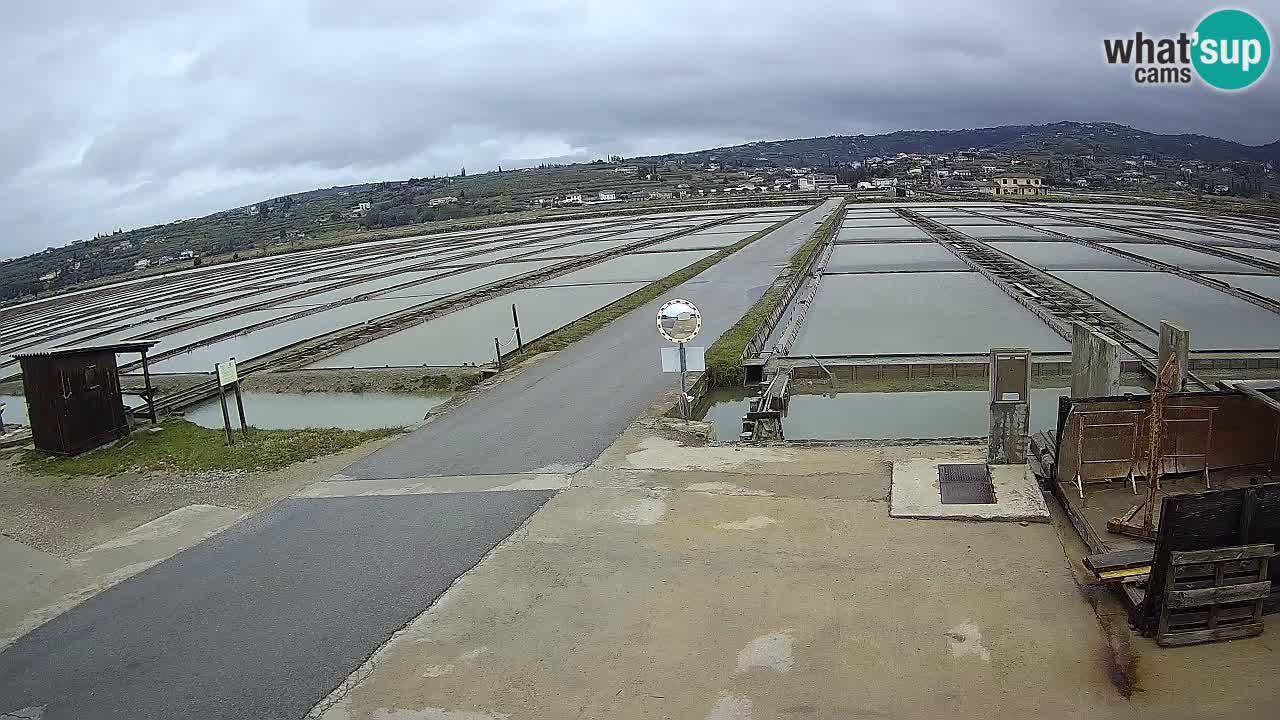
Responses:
[1214,595]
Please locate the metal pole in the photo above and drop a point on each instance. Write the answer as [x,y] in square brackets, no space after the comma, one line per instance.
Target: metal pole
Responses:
[497,350]
[684,397]
[226,416]
[244,426]
[516,319]
[146,380]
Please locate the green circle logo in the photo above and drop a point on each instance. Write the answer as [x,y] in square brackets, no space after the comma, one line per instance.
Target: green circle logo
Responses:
[1231,49]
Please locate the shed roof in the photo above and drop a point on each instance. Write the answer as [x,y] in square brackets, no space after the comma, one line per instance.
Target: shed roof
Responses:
[122,347]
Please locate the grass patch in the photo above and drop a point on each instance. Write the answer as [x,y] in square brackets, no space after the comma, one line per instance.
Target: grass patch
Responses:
[724,357]
[182,446]
[584,326]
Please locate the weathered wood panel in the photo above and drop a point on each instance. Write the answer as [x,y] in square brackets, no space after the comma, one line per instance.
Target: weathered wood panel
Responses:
[1244,433]
[1210,521]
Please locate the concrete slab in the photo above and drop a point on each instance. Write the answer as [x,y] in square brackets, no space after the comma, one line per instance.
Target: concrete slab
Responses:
[915,494]
[25,570]
[631,603]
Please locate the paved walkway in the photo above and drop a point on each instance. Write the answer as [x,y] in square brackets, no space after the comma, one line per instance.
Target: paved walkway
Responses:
[561,414]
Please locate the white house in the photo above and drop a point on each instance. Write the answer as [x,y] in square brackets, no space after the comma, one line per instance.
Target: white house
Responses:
[1018,184]
[186,255]
[607,195]
[572,199]
[142,264]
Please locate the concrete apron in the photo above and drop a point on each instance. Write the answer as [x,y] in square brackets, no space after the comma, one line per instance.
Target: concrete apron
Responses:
[678,580]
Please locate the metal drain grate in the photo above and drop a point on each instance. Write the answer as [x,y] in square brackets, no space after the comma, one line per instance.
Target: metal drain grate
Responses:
[967,484]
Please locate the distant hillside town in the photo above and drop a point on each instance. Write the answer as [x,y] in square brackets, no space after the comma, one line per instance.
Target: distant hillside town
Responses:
[1020,160]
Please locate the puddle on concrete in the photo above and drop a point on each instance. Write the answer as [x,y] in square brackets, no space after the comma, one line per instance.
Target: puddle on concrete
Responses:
[881,415]
[350,411]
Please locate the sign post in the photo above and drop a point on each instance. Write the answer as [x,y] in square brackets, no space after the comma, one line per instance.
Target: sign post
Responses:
[680,321]
[229,376]
[515,319]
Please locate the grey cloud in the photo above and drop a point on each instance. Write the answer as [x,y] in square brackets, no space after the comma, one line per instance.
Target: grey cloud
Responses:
[125,114]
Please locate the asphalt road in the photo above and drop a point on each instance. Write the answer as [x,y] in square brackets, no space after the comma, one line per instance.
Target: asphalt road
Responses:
[263,620]
[561,414]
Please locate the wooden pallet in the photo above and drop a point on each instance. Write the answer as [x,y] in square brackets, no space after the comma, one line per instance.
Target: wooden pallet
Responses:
[1214,595]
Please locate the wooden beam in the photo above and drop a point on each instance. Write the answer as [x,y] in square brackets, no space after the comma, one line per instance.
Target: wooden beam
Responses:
[1230,632]
[1177,599]
[1120,559]
[1122,575]
[1194,557]
[1258,395]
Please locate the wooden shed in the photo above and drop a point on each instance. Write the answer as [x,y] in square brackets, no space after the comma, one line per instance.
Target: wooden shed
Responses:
[73,396]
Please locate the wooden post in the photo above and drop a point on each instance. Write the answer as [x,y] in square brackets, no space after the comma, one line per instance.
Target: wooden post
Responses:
[497,351]
[146,381]
[244,426]
[1175,341]
[516,319]
[226,416]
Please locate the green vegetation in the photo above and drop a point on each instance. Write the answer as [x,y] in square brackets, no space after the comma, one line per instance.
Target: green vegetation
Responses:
[182,446]
[724,357]
[584,326]
[1063,139]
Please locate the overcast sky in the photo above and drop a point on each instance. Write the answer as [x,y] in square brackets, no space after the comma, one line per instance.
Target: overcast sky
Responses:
[121,114]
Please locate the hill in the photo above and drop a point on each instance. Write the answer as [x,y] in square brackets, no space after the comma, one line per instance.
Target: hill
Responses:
[342,214]
[1062,138]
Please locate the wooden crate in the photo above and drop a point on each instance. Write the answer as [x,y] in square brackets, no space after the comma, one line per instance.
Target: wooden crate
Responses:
[1214,594]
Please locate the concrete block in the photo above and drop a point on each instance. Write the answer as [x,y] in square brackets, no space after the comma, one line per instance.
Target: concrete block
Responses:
[914,493]
[1095,364]
[1175,341]
[1010,433]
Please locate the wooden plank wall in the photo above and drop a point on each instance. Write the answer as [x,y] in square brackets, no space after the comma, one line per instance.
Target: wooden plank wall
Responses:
[1244,433]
